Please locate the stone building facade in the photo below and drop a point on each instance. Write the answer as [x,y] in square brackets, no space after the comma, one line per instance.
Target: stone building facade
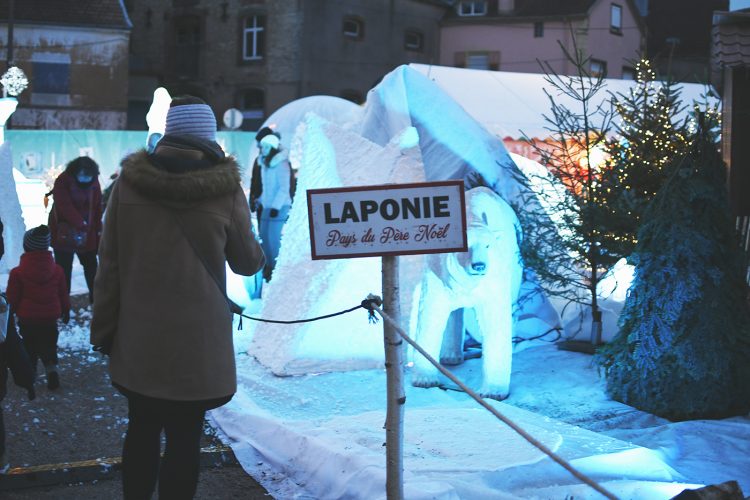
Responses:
[257,55]
[515,35]
[75,56]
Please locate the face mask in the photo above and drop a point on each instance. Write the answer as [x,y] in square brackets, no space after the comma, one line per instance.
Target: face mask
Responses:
[265,149]
[84,179]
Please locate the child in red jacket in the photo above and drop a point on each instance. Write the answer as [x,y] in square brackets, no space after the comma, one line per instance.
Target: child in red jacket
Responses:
[38,295]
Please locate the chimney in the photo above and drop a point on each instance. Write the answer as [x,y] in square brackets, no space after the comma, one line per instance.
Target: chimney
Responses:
[506,6]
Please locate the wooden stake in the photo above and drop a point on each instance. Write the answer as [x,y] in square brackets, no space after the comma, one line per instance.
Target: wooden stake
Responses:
[394,364]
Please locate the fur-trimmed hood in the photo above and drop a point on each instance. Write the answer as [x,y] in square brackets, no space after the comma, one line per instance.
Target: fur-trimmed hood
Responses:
[154,182]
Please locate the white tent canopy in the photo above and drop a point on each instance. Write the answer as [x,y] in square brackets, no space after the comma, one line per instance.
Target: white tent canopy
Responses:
[507,104]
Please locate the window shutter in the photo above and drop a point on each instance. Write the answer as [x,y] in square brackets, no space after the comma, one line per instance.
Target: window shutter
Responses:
[460,59]
[494,64]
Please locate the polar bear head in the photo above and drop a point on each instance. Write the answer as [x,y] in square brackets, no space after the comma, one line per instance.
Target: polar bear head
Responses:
[477,261]
[487,225]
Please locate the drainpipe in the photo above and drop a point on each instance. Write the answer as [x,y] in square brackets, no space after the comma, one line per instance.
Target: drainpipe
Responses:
[9,50]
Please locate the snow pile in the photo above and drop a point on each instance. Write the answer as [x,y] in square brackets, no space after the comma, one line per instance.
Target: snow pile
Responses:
[321,436]
[75,335]
[286,119]
[31,197]
[409,132]
[10,212]
[302,288]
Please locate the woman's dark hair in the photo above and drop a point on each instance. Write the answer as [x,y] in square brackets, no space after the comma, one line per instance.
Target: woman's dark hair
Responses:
[83,164]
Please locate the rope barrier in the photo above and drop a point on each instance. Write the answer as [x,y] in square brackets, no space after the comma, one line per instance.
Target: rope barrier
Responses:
[365,304]
[372,305]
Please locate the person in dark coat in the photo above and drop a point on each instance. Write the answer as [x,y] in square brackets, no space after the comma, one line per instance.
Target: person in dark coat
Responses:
[175,218]
[76,218]
[13,359]
[38,296]
[108,190]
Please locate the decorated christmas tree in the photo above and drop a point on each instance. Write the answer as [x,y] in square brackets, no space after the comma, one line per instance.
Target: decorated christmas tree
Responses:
[683,350]
[649,137]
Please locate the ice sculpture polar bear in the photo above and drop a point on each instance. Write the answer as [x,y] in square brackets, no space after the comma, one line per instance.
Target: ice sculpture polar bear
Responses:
[487,278]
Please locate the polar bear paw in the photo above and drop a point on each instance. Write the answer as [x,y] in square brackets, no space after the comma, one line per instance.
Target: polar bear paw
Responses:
[494,392]
[425,380]
[452,360]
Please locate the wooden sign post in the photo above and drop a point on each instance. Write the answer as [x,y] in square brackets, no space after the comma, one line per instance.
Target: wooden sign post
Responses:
[388,221]
[396,396]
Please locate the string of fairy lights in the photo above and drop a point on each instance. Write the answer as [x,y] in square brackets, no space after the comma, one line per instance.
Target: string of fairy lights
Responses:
[651,138]
[635,165]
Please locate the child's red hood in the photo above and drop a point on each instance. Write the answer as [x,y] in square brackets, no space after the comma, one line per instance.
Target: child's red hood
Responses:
[37,266]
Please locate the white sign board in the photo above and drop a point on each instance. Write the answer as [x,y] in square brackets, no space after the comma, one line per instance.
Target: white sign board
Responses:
[392,219]
[233,118]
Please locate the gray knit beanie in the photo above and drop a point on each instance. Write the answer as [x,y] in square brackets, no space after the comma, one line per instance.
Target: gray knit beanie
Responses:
[191,116]
[37,238]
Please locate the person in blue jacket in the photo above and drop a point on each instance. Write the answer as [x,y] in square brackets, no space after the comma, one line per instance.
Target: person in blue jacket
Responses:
[271,191]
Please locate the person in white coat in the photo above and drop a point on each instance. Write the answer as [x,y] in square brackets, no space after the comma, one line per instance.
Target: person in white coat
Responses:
[271,194]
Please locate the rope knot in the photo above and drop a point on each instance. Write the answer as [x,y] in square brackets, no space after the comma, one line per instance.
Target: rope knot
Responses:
[370,303]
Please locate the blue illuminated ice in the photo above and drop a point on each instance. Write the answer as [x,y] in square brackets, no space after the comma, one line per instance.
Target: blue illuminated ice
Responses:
[410,131]
[10,211]
[320,434]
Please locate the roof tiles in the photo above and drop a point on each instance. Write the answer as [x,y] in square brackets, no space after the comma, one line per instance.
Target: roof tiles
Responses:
[96,13]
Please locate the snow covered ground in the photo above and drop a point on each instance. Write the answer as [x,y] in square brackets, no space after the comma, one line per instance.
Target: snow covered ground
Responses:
[321,435]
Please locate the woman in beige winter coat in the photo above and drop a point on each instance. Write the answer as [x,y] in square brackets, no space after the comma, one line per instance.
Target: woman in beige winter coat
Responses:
[174,218]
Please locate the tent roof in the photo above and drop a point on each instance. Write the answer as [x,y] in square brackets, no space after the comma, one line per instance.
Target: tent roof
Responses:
[508,103]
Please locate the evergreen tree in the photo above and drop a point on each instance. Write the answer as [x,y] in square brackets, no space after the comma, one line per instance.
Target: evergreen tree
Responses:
[683,350]
[562,239]
[650,136]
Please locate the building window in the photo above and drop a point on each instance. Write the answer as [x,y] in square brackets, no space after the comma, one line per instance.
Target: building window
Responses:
[51,78]
[478,60]
[615,19]
[187,30]
[628,73]
[353,28]
[253,38]
[473,8]
[352,95]
[413,40]
[598,68]
[253,107]
[538,30]
[187,39]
